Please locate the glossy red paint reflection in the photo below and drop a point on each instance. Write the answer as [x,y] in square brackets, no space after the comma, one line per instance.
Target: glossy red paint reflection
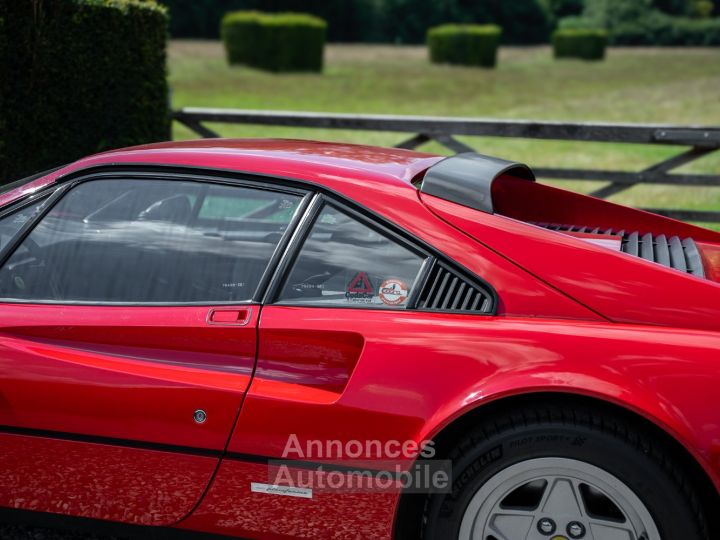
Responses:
[116,375]
[322,359]
[99,481]
[417,373]
[573,317]
[232,508]
[621,287]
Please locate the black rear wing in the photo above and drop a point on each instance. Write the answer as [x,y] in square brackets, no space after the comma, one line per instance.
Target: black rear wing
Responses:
[467,179]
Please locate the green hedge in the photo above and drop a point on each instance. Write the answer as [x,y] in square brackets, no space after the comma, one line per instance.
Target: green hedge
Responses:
[661,29]
[639,22]
[78,77]
[464,44]
[389,21]
[274,42]
[580,43]
[348,20]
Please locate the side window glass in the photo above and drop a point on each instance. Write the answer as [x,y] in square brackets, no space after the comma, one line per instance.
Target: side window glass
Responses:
[11,224]
[150,241]
[347,264]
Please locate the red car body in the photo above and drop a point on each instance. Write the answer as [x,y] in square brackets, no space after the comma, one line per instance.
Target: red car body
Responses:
[96,402]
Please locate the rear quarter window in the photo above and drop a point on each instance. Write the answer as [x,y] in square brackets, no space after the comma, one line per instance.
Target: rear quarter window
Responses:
[345,263]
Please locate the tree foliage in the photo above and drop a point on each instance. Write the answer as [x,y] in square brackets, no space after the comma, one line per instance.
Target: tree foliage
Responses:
[78,77]
[640,22]
[401,21]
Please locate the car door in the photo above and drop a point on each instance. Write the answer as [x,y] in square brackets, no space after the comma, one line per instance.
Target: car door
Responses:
[128,335]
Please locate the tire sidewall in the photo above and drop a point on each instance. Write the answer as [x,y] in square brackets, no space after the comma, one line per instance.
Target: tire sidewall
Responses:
[628,463]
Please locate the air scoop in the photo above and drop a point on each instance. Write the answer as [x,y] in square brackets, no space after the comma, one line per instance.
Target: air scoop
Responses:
[468,179]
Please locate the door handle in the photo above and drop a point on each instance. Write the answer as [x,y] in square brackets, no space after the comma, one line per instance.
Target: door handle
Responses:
[229,316]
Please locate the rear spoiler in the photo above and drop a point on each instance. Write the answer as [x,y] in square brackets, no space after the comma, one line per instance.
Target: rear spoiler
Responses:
[467,179]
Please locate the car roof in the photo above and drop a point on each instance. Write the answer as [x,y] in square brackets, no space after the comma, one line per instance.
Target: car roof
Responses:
[338,166]
[251,155]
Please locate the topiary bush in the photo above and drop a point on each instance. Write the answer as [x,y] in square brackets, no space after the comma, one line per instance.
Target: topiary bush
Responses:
[389,21]
[274,42]
[586,44]
[348,20]
[464,44]
[78,77]
[638,22]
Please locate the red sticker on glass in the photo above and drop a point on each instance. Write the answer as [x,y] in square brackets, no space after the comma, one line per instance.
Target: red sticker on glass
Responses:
[393,292]
[360,290]
[360,284]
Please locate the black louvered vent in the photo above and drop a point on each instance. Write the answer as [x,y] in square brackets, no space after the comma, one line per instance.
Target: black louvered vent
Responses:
[446,290]
[672,252]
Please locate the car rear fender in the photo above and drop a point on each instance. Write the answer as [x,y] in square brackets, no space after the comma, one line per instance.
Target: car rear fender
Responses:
[687,416]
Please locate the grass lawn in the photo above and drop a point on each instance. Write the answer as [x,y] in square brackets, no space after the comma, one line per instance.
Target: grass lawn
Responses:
[679,86]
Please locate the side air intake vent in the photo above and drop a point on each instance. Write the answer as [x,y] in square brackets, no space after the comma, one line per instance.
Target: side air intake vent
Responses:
[448,291]
[672,252]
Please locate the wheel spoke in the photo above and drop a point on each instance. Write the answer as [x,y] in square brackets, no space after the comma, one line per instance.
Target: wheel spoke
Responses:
[561,498]
[512,526]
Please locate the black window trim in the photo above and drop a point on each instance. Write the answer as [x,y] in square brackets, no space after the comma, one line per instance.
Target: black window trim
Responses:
[15,207]
[55,193]
[429,260]
[302,234]
[18,205]
[6,188]
[292,249]
[29,225]
[311,193]
[421,280]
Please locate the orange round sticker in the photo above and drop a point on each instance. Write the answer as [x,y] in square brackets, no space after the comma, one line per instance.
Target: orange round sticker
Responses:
[393,292]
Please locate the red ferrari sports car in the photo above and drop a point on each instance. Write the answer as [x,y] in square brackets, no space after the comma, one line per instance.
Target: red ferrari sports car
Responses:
[291,339]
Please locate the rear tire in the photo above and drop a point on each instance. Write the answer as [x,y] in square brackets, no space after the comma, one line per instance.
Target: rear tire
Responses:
[577,471]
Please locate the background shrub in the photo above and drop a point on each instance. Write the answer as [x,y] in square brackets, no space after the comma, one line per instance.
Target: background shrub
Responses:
[348,20]
[274,42]
[78,77]
[660,29]
[390,21]
[240,32]
[663,30]
[696,32]
[407,21]
[464,44]
[702,9]
[639,22]
[586,44]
